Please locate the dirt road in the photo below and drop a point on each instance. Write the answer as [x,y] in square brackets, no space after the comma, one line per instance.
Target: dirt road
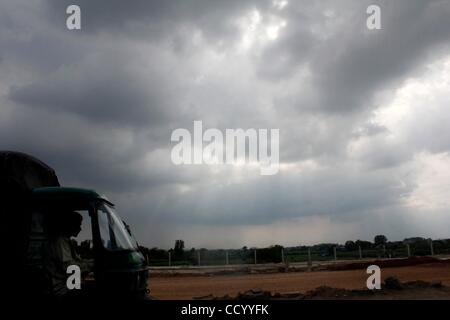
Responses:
[188,287]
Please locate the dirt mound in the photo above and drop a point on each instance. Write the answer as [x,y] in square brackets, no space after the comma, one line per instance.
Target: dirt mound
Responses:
[391,263]
[391,288]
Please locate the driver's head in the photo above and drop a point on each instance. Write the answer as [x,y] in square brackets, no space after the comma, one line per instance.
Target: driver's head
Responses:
[72,223]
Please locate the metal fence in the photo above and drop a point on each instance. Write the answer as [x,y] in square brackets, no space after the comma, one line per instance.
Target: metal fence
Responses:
[278,254]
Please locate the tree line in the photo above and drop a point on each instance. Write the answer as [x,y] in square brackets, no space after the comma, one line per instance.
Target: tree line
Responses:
[379,247]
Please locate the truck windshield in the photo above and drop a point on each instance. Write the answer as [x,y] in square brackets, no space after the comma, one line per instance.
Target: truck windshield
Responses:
[113,232]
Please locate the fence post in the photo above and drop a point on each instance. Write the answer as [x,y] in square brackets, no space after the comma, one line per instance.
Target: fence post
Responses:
[170,262]
[282,255]
[408,250]
[431,247]
[360,252]
[226,257]
[335,254]
[255,255]
[198,257]
[384,251]
[309,259]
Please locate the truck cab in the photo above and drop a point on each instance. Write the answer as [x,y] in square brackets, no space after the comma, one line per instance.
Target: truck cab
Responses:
[32,199]
[119,268]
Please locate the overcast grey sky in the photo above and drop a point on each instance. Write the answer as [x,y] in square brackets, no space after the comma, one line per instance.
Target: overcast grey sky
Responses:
[363,114]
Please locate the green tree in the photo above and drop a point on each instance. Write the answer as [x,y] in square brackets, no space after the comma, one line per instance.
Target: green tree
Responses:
[380,240]
[363,244]
[178,250]
[351,246]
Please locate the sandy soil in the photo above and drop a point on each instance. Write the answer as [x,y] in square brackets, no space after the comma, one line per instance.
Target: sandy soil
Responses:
[188,287]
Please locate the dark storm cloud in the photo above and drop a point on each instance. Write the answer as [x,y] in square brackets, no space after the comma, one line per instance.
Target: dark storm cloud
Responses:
[324,192]
[102,90]
[410,33]
[93,155]
[348,63]
[158,19]
[100,104]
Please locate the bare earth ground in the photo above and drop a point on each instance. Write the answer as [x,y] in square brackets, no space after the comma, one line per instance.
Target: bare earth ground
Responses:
[173,286]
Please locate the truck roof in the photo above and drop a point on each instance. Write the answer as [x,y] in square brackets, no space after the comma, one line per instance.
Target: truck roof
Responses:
[21,173]
[64,193]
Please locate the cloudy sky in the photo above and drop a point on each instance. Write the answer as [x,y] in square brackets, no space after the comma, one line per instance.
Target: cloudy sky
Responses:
[363,114]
